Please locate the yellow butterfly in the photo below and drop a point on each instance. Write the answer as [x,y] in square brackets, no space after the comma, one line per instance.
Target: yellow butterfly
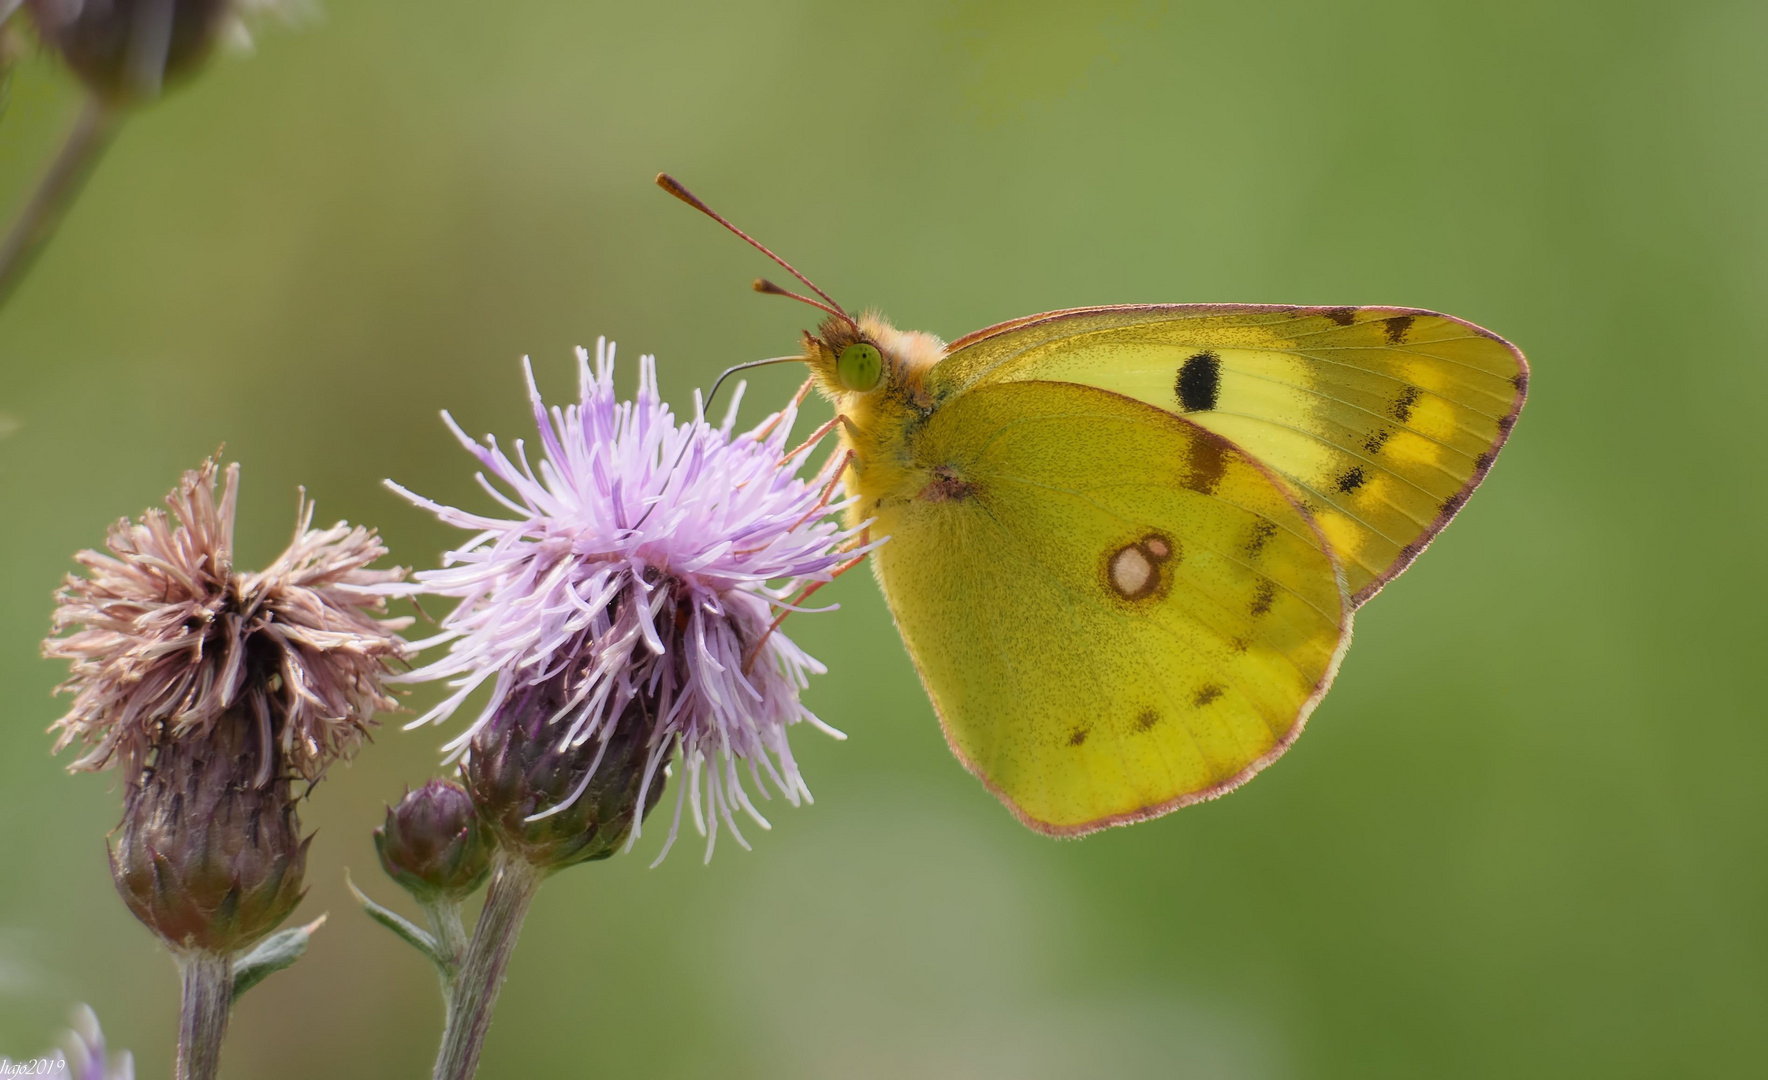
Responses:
[1126,542]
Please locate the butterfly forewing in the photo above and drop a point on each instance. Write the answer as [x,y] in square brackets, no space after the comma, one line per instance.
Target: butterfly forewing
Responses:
[1382,420]
[1115,611]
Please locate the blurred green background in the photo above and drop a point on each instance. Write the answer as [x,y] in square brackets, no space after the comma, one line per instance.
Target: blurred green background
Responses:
[1524,836]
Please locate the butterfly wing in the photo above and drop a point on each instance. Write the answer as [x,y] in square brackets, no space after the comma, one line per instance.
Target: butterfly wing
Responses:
[1115,611]
[1383,420]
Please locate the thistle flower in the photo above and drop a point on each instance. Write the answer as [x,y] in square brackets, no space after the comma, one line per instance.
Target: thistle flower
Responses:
[639,576]
[85,1058]
[86,1055]
[172,638]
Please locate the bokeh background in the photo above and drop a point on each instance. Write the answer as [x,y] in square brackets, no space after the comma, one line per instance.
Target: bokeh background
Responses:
[1524,836]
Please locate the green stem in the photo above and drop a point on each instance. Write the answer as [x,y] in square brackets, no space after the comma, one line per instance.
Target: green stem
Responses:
[451,945]
[474,994]
[451,936]
[79,154]
[202,1019]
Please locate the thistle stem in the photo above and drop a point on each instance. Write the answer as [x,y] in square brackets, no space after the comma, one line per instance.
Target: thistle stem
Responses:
[451,936]
[474,994]
[451,944]
[202,1021]
[36,223]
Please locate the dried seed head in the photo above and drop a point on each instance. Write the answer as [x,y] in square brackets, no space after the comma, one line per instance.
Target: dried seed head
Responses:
[552,803]
[127,50]
[171,639]
[209,858]
[434,844]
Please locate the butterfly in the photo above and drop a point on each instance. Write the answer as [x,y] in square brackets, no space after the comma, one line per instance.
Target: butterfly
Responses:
[1126,543]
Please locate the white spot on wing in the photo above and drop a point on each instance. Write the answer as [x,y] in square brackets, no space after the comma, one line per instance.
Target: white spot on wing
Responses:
[1131,572]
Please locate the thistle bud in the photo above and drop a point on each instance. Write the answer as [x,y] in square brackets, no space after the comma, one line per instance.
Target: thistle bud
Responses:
[522,765]
[209,858]
[125,50]
[434,844]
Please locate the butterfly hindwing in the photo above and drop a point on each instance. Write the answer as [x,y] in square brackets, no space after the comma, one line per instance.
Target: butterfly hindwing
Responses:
[1382,420]
[1115,611]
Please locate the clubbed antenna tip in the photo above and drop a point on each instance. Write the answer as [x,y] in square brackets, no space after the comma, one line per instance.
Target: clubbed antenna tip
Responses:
[674,187]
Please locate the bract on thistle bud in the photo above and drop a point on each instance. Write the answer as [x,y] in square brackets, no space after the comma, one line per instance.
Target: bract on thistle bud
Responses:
[433,843]
[215,688]
[208,858]
[556,803]
[636,581]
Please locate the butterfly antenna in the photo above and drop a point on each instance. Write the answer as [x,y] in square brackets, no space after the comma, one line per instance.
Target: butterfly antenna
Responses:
[673,186]
[706,409]
[762,285]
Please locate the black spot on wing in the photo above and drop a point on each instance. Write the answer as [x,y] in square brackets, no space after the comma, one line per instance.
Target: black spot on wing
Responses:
[1396,328]
[1261,535]
[1207,694]
[1505,423]
[1078,736]
[1454,503]
[1401,409]
[1521,381]
[1482,462]
[1262,598]
[1147,719]
[1351,479]
[1376,440]
[1199,382]
[1343,316]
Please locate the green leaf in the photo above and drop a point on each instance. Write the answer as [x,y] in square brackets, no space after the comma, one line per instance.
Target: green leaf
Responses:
[412,934]
[274,953]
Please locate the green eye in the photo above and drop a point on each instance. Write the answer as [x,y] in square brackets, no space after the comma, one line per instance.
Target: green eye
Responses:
[859,367]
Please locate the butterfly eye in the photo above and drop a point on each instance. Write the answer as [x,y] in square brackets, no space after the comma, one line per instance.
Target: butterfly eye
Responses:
[859,367]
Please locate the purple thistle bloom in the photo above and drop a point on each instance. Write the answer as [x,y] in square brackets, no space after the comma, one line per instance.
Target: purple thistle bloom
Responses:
[644,560]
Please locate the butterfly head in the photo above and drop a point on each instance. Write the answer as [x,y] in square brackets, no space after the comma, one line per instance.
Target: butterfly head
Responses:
[858,357]
[854,359]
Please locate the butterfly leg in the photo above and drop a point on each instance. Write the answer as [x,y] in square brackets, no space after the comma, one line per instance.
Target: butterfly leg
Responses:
[797,400]
[844,460]
[817,436]
[834,481]
[863,540]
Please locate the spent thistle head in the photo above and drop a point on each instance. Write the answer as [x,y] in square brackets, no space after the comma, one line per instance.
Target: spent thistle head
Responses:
[215,689]
[126,51]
